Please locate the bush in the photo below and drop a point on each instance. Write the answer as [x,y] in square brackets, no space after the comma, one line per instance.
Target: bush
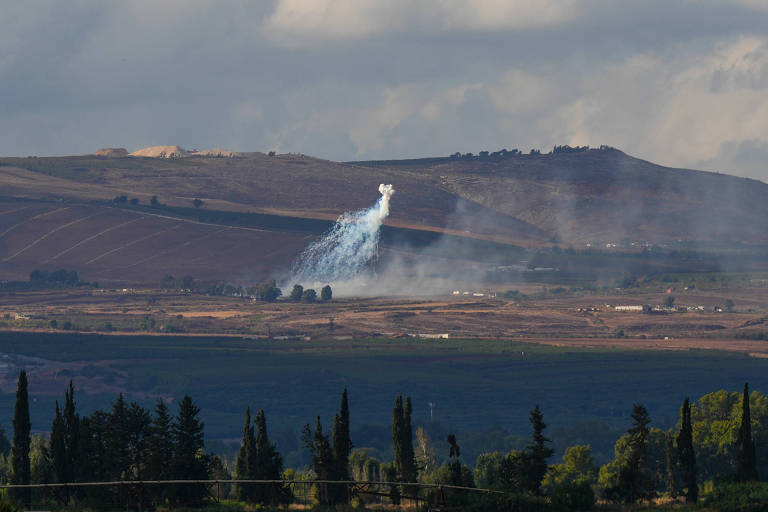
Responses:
[573,496]
[309,295]
[739,497]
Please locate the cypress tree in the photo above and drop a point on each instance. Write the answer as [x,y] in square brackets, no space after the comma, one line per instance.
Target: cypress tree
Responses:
[410,470]
[342,441]
[538,450]
[322,458]
[686,455]
[71,434]
[244,465]
[746,464]
[268,463]
[20,449]
[398,436]
[58,447]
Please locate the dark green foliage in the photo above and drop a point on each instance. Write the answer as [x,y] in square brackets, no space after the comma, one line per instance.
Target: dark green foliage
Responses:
[71,433]
[322,464]
[309,295]
[515,474]
[58,448]
[573,497]
[402,441]
[326,293]
[746,463]
[539,451]
[297,292]
[189,462]
[246,460]
[635,481]
[268,465]
[197,202]
[59,277]
[20,448]
[685,454]
[5,444]
[670,462]
[342,442]
[739,497]
[268,292]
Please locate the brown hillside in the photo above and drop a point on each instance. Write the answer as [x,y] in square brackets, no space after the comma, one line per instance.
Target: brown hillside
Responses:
[54,212]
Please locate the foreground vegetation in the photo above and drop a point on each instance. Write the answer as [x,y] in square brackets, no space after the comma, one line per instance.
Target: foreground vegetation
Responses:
[714,455]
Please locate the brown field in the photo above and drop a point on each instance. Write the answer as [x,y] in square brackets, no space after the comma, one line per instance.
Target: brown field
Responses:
[543,319]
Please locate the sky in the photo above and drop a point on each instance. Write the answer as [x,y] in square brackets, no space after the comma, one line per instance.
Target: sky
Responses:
[682,83]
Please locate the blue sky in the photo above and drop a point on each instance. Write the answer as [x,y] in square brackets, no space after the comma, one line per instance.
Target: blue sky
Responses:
[678,82]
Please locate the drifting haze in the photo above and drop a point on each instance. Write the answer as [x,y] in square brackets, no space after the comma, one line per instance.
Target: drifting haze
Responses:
[682,83]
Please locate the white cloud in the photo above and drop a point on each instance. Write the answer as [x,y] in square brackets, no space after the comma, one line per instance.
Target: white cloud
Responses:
[299,22]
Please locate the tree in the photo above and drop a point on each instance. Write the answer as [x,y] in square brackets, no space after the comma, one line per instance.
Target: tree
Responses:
[189,461]
[268,464]
[268,292]
[342,447]
[322,464]
[21,441]
[58,447]
[539,451]
[685,454]
[342,441]
[168,282]
[426,462]
[326,293]
[309,295]
[153,201]
[197,202]
[160,446]
[746,463]
[578,466]
[134,200]
[669,301]
[71,433]
[297,292]
[634,480]
[410,470]
[246,460]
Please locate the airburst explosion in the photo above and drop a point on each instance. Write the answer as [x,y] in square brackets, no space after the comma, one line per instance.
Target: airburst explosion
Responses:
[348,248]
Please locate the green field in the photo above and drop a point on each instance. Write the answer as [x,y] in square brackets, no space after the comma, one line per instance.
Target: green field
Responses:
[475,385]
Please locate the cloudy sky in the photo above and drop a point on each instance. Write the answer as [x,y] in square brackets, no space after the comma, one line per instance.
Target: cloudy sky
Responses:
[678,82]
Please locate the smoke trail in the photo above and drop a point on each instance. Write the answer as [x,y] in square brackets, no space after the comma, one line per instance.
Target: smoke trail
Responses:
[346,250]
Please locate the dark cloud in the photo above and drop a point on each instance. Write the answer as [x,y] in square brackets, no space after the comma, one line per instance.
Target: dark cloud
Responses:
[679,82]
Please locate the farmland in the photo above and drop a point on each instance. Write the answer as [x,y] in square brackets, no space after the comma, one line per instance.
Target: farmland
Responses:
[476,385]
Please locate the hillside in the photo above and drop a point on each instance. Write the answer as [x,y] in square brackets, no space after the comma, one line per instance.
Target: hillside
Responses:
[65,211]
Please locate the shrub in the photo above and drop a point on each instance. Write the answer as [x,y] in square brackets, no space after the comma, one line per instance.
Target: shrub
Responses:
[739,497]
[573,496]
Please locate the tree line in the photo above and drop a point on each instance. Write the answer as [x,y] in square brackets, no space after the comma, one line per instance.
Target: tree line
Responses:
[713,441]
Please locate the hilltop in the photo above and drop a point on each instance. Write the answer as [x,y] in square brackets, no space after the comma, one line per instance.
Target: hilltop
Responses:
[133,217]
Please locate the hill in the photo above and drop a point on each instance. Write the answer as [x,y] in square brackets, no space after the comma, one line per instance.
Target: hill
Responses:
[96,213]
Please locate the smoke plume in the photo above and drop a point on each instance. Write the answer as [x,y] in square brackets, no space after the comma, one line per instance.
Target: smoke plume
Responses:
[348,248]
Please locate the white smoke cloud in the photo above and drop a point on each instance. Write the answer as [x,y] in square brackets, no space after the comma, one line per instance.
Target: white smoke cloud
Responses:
[347,250]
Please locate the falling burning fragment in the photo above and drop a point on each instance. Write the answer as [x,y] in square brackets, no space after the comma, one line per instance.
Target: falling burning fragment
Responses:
[348,248]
